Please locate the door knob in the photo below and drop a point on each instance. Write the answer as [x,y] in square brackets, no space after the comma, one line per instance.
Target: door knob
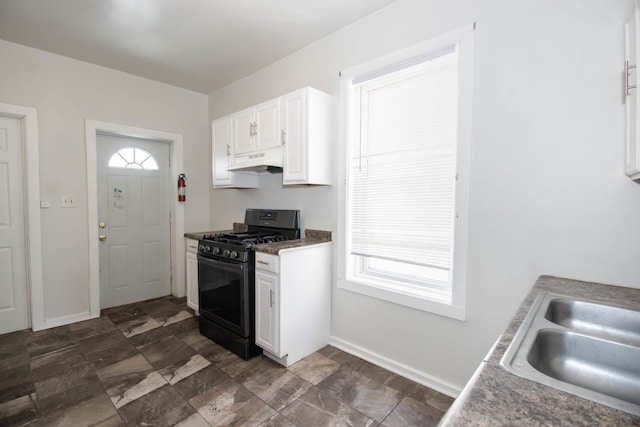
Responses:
[102,225]
[102,237]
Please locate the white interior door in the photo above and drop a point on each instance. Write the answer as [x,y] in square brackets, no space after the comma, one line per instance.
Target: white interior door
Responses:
[133,207]
[14,314]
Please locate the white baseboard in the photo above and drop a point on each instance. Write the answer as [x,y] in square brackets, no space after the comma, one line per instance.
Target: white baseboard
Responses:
[65,320]
[397,368]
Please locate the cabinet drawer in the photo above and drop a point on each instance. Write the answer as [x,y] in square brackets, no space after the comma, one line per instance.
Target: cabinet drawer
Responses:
[267,262]
[192,246]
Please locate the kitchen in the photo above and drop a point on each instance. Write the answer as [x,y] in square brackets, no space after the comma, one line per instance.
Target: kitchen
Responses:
[549,194]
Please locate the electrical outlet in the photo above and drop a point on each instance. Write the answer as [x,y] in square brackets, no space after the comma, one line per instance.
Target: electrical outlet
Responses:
[67,201]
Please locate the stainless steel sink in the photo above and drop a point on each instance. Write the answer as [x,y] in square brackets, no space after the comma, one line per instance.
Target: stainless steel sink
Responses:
[586,348]
[596,319]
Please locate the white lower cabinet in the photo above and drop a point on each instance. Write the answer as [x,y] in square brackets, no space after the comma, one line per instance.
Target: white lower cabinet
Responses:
[192,273]
[293,302]
[267,313]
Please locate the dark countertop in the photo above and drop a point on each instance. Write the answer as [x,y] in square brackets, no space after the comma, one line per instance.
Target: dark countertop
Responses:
[237,226]
[311,237]
[496,397]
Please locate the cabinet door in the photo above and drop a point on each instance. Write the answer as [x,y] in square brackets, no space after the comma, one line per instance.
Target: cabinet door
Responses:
[243,127]
[221,149]
[268,125]
[294,166]
[221,132]
[192,280]
[267,312]
[632,165]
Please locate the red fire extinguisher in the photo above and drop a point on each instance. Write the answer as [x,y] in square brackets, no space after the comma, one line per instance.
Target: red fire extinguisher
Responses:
[182,183]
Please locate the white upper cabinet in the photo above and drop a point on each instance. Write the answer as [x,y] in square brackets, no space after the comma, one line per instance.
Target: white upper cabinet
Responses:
[306,124]
[257,137]
[292,132]
[222,140]
[632,165]
[244,141]
[267,127]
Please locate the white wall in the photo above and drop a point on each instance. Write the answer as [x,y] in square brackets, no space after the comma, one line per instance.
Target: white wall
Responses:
[66,92]
[549,194]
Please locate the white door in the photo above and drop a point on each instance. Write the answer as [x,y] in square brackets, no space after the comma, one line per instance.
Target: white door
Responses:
[267,312]
[133,208]
[243,131]
[191,264]
[268,125]
[293,123]
[221,131]
[14,313]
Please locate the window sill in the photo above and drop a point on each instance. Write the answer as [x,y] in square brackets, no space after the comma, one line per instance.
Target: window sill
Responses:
[417,302]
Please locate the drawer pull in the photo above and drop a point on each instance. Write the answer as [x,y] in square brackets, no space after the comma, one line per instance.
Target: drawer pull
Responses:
[262,262]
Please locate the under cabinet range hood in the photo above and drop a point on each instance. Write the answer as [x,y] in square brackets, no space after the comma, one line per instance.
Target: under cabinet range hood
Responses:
[257,169]
[259,161]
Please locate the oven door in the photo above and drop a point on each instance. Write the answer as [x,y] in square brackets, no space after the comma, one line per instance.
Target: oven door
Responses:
[223,294]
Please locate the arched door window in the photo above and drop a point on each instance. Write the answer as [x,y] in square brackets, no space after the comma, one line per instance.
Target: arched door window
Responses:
[133,158]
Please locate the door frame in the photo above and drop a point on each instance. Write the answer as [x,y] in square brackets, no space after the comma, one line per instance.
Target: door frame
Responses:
[92,129]
[31,171]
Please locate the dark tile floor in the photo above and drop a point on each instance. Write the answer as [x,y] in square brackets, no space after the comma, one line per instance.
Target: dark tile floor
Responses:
[147,364]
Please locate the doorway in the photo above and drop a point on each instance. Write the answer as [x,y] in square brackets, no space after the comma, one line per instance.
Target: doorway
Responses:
[133,214]
[96,130]
[21,247]
[14,314]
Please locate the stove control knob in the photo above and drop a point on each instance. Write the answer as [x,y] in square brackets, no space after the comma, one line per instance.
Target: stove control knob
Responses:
[216,251]
[226,253]
[207,248]
[234,254]
[201,248]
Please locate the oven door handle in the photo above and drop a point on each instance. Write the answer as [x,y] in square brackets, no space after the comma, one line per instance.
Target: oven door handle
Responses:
[225,265]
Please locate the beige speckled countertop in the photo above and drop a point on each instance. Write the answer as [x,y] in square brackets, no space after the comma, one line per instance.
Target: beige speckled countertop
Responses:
[311,237]
[496,397]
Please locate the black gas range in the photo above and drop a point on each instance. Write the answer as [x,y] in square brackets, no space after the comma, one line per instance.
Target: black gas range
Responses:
[226,277]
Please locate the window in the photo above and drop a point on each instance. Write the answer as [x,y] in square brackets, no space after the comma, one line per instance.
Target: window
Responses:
[133,158]
[406,165]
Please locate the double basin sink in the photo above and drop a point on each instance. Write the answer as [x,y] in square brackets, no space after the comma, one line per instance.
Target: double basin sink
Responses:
[586,348]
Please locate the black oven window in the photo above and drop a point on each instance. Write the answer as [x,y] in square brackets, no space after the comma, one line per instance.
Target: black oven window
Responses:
[221,294]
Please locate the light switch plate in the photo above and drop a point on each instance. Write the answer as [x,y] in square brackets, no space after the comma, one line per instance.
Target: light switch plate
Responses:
[67,201]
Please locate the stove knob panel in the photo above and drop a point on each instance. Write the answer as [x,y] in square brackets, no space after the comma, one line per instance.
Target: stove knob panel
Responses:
[234,254]
[226,253]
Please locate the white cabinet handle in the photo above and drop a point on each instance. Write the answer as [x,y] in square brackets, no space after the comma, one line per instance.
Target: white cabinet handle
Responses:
[271,298]
[284,137]
[262,262]
[228,150]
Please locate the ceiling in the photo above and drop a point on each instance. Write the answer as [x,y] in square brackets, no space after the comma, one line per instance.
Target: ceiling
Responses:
[199,45]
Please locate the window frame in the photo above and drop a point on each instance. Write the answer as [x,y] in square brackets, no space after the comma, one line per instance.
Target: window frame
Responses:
[138,165]
[427,301]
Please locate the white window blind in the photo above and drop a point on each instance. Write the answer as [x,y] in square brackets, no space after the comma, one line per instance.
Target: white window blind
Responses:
[402,161]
